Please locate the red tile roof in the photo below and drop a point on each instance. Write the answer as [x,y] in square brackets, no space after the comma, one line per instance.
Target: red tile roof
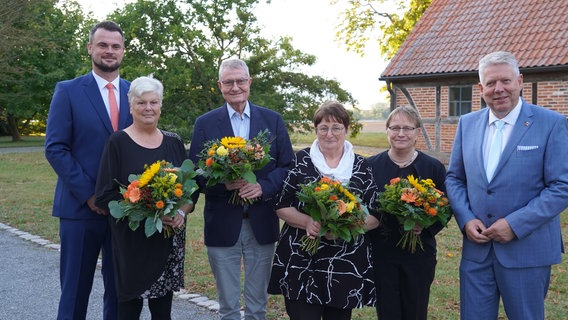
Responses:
[453,35]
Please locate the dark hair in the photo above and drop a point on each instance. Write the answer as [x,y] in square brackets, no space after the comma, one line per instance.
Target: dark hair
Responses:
[107,25]
[332,110]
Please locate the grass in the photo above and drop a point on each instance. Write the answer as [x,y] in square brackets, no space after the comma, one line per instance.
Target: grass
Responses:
[27,141]
[363,139]
[26,194]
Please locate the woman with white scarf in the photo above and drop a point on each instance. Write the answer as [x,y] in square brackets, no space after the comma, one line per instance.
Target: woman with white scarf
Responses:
[339,276]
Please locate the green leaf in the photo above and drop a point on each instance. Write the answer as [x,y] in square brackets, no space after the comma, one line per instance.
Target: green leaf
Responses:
[249,176]
[150,227]
[133,224]
[115,210]
[409,224]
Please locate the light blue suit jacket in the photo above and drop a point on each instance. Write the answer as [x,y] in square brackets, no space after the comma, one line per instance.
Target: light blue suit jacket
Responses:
[78,126]
[529,188]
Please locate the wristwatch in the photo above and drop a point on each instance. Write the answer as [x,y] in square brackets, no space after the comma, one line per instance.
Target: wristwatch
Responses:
[181,213]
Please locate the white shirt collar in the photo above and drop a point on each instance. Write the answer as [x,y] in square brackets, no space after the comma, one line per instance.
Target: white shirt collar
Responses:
[510,118]
[101,83]
[232,111]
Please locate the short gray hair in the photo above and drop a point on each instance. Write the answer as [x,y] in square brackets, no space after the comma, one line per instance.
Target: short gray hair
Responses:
[143,85]
[496,58]
[233,63]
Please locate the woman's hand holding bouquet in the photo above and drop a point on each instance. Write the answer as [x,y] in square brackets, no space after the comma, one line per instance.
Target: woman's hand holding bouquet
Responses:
[337,212]
[414,202]
[155,196]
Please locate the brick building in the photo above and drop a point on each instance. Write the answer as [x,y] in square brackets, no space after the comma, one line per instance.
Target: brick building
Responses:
[435,69]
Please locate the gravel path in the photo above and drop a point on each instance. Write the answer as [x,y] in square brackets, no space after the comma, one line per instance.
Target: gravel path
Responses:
[29,283]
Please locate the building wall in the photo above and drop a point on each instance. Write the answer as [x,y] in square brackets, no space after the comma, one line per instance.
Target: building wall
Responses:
[550,94]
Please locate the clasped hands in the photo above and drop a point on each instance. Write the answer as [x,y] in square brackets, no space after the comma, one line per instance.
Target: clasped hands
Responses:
[499,231]
[247,190]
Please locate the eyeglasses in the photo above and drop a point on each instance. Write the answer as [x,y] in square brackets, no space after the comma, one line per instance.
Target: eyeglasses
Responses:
[334,130]
[404,130]
[239,82]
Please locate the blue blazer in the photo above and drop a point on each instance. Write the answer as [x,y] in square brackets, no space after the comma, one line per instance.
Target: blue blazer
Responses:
[78,126]
[529,188]
[222,220]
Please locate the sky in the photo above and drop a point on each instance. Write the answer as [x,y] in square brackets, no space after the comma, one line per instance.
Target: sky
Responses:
[312,26]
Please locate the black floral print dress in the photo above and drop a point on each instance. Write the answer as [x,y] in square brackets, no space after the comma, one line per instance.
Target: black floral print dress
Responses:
[339,274]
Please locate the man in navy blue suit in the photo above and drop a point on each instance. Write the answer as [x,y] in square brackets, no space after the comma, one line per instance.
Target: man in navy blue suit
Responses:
[78,125]
[235,232]
[508,212]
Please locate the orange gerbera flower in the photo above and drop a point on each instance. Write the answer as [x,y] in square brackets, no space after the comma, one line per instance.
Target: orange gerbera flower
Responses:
[326,180]
[394,180]
[178,192]
[408,197]
[341,206]
[133,195]
[133,184]
[209,162]
[432,211]
[333,197]
[160,204]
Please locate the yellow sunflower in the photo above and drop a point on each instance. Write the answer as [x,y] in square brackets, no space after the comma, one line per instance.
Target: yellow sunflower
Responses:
[149,174]
[233,142]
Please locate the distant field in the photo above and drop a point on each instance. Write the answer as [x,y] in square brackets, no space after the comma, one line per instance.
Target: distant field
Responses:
[373,125]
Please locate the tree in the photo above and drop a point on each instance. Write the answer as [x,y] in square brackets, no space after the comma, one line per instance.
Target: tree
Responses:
[363,18]
[42,47]
[182,43]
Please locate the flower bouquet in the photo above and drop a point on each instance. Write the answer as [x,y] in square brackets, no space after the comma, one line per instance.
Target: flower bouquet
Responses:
[158,192]
[233,158]
[414,202]
[339,212]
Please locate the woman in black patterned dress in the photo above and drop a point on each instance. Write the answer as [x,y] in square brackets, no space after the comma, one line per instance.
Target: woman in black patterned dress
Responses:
[339,276]
[144,268]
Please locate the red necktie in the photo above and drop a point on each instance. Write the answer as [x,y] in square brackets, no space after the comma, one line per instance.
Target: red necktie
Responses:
[113,106]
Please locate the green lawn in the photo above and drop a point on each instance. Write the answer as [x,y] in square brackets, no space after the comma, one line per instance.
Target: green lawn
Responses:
[27,141]
[26,191]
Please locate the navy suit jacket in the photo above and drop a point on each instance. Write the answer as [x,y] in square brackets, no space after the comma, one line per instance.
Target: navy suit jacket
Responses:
[78,126]
[529,189]
[222,220]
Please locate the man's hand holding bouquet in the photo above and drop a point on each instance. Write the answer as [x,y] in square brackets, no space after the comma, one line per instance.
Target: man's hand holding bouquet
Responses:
[156,193]
[232,159]
[414,202]
[339,212]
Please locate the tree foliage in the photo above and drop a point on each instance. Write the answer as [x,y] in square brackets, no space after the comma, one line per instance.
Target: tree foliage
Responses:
[182,43]
[41,47]
[371,20]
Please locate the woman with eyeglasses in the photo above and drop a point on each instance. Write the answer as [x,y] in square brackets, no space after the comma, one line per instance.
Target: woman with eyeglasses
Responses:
[403,278]
[338,276]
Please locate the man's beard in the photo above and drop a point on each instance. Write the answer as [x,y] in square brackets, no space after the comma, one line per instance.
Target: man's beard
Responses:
[107,68]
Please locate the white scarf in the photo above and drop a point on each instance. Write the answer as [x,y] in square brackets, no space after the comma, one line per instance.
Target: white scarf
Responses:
[344,169]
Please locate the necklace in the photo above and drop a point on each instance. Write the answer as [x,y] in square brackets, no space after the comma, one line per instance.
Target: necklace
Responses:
[406,163]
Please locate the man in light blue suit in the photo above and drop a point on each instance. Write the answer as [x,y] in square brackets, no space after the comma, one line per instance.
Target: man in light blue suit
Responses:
[78,125]
[510,219]
[247,233]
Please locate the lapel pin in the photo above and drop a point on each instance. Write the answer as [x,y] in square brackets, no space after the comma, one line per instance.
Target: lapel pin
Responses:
[527,123]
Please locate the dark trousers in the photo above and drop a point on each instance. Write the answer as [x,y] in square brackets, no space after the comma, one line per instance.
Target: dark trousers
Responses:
[300,310]
[403,288]
[160,308]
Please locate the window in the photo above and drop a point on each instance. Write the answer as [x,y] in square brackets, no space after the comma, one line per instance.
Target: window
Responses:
[460,101]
